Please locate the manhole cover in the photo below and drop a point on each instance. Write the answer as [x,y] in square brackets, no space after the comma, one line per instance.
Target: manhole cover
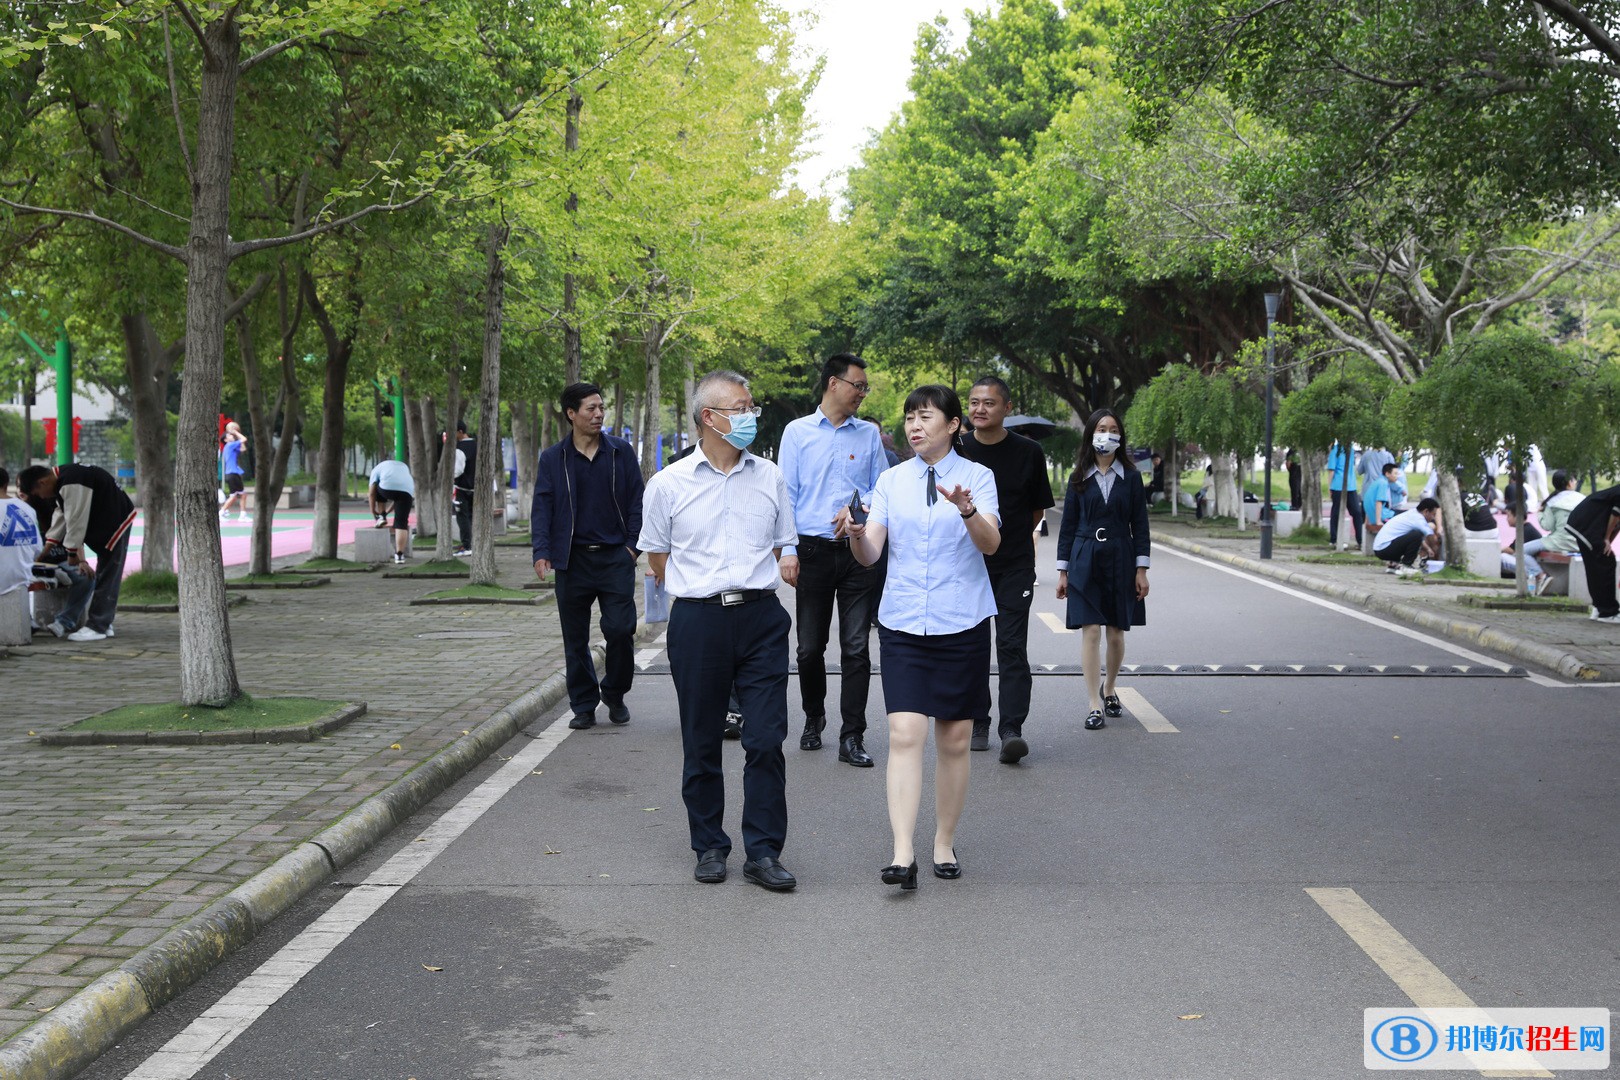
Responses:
[440,635]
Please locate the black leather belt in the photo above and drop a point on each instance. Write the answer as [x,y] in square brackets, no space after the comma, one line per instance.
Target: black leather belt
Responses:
[1101,535]
[812,541]
[595,547]
[731,598]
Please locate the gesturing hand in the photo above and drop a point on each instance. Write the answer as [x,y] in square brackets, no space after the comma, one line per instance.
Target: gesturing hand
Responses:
[959,497]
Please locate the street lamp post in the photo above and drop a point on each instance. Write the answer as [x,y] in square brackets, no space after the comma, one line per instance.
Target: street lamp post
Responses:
[1273,302]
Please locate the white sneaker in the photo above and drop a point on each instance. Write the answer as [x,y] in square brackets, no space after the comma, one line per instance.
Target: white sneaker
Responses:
[1613,619]
[84,633]
[398,558]
[57,628]
[243,519]
[110,632]
[1407,571]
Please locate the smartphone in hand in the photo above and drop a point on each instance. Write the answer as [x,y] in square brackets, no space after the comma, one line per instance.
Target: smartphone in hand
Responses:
[857,512]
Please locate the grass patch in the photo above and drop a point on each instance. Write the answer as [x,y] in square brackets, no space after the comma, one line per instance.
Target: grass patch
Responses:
[245,712]
[150,587]
[1451,573]
[1340,558]
[482,592]
[1306,536]
[330,566]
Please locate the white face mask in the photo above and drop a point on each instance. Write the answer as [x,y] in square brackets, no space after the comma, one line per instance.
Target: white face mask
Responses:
[1104,442]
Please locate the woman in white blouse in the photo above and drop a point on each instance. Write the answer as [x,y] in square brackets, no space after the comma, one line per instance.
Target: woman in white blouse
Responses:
[939,515]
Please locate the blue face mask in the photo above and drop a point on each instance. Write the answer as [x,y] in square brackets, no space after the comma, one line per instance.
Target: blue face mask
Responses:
[743,428]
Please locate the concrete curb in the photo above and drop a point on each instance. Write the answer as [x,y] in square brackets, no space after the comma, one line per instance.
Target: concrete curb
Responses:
[1464,631]
[85,1026]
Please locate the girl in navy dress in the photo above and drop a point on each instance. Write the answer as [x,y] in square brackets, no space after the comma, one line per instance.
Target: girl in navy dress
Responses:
[1103,556]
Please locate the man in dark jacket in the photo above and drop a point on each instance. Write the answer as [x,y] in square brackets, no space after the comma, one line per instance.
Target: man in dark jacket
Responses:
[462,486]
[584,523]
[1594,523]
[93,512]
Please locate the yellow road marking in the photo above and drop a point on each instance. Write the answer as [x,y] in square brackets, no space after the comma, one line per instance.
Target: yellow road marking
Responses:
[1146,715]
[1053,623]
[1418,979]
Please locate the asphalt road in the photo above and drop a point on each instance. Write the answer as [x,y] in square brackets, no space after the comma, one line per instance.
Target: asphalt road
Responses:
[1135,903]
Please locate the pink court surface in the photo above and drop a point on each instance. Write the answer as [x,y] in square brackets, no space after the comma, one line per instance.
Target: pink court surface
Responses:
[292,532]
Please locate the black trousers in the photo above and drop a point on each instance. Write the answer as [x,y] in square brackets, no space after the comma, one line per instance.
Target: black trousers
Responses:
[110,578]
[608,578]
[711,649]
[829,574]
[1015,592]
[1600,572]
[1351,501]
[464,500]
[1403,549]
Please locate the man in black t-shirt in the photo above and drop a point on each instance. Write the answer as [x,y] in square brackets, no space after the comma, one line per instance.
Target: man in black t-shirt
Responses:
[93,512]
[462,487]
[1024,492]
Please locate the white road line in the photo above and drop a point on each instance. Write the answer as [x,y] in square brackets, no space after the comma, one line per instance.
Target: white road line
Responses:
[645,657]
[1053,623]
[1145,714]
[1418,978]
[188,1052]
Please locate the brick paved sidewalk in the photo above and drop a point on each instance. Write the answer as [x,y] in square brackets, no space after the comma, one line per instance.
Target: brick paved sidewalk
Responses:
[103,849]
[1595,645]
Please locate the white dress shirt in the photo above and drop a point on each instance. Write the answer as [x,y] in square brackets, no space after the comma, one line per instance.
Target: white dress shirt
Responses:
[937,582]
[718,528]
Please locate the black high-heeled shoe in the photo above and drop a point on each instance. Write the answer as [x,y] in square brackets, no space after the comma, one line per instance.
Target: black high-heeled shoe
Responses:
[950,871]
[903,876]
[1112,706]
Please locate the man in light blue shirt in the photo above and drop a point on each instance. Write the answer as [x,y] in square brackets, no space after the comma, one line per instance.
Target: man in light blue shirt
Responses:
[713,525]
[391,483]
[829,459]
[1342,488]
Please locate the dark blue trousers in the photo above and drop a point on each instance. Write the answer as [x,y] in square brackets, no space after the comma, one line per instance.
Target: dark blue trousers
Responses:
[711,648]
[608,578]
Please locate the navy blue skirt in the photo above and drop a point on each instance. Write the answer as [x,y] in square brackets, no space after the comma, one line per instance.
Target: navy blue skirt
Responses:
[946,676]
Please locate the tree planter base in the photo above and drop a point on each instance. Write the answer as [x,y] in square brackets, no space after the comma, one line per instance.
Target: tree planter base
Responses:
[333,720]
[306,581]
[231,600]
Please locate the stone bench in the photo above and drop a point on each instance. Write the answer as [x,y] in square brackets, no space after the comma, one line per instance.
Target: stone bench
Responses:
[1557,569]
[1284,522]
[373,545]
[16,628]
[1484,556]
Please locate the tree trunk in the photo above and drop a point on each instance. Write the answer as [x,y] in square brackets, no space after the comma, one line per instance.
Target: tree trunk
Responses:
[148,367]
[618,407]
[444,470]
[421,430]
[489,414]
[1223,492]
[329,471]
[653,351]
[1173,468]
[1311,464]
[1241,482]
[1451,515]
[207,662]
[526,442]
[270,457]
[377,412]
[573,352]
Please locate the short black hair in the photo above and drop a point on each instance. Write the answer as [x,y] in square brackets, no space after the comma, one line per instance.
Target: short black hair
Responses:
[937,396]
[1428,504]
[998,382]
[5,481]
[31,476]
[574,395]
[838,365]
[1560,479]
[461,426]
[1392,465]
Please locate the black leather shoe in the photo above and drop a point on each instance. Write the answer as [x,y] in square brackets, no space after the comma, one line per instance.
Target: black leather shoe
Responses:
[770,874]
[1013,749]
[711,867]
[850,751]
[903,876]
[733,728]
[950,871]
[582,721]
[1094,720]
[618,711]
[981,737]
[811,739]
[1112,707]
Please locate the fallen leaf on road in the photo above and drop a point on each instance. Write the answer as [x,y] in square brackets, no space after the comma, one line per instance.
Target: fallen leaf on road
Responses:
[30,733]
[395,746]
[1191,1016]
[604,875]
[650,809]
[1226,710]
[535,773]
[552,851]
[46,1009]
[466,733]
[430,967]
[1397,736]
[420,840]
